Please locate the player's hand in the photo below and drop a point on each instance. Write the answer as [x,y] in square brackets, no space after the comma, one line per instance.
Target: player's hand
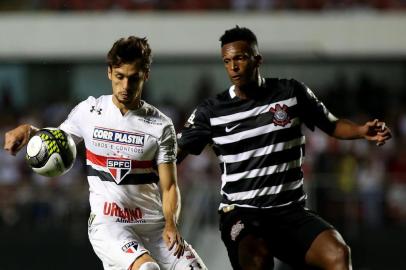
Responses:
[173,239]
[377,131]
[17,138]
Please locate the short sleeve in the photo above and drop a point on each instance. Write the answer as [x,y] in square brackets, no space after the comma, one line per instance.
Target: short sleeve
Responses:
[167,146]
[196,132]
[72,122]
[313,111]
[77,117]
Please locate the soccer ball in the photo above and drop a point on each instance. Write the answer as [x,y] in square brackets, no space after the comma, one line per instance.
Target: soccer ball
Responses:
[51,152]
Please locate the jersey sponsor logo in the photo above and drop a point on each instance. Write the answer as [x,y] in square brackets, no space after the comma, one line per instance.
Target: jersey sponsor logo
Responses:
[236,230]
[124,215]
[117,136]
[118,168]
[280,115]
[229,129]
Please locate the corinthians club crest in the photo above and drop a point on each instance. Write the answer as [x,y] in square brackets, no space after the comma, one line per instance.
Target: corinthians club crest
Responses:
[280,115]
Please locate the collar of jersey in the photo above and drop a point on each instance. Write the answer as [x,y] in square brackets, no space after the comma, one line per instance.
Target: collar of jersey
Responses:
[232,87]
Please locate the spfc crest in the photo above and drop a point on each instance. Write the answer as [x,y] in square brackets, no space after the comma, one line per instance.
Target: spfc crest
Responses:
[280,115]
[130,247]
[119,168]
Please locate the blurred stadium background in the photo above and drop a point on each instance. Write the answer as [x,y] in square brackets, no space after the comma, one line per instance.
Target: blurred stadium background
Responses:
[352,53]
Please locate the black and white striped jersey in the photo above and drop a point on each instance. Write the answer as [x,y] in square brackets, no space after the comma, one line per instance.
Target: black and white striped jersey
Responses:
[258,141]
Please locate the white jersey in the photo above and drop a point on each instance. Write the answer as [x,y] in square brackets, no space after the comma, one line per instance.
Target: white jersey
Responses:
[122,152]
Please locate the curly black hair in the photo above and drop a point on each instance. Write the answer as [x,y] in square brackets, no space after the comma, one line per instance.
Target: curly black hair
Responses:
[238,33]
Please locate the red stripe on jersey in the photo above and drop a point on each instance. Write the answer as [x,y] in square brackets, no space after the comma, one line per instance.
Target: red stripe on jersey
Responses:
[102,161]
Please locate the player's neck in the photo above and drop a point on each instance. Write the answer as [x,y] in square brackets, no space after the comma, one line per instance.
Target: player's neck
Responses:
[124,108]
[249,90]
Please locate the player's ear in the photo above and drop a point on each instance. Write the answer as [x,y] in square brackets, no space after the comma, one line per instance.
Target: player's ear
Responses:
[258,60]
[109,71]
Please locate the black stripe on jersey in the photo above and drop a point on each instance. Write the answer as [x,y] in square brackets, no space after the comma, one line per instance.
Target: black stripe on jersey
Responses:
[129,179]
[275,179]
[282,135]
[274,158]
[281,198]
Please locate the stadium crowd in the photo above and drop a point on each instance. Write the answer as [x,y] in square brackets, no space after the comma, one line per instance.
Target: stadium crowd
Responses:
[200,5]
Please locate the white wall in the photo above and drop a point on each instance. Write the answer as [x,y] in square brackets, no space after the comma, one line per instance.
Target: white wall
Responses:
[75,35]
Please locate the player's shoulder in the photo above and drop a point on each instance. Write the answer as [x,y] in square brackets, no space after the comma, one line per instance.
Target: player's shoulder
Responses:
[282,83]
[152,113]
[286,86]
[95,101]
[91,104]
[217,99]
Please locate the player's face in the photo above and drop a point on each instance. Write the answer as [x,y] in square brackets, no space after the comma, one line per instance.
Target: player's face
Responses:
[241,63]
[127,82]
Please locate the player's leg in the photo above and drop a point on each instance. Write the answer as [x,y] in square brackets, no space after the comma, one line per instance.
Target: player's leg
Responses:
[243,232]
[329,251]
[254,254]
[145,262]
[118,247]
[166,258]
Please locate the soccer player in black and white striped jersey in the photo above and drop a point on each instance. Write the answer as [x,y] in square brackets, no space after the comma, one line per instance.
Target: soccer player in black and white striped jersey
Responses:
[254,128]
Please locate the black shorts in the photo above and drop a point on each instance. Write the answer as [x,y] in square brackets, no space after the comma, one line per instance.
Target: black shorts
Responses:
[288,231]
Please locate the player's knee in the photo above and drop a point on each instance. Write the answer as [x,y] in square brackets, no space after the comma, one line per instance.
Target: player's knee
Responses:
[343,254]
[339,255]
[149,266]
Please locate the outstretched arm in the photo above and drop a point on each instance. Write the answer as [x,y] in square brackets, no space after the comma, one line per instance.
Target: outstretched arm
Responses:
[374,130]
[171,207]
[18,137]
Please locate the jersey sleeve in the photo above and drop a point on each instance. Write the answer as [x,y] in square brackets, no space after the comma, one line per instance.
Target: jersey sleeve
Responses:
[75,119]
[196,132]
[167,145]
[313,111]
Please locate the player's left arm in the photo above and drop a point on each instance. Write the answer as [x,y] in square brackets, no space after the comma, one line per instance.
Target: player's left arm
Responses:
[375,131]
[315,113]
[171,207]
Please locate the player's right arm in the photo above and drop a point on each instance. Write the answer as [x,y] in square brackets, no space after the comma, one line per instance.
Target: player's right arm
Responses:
[18,137]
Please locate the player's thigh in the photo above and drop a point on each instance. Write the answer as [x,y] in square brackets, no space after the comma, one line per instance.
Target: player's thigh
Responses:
[117,246]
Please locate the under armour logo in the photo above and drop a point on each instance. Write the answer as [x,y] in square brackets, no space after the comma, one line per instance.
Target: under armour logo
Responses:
[96,110]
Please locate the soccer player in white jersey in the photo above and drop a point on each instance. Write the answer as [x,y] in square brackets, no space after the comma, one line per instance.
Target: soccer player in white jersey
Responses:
[130,149]
[254,127]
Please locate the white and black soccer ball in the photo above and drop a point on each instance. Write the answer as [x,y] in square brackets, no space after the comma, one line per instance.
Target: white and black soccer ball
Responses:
[51,152]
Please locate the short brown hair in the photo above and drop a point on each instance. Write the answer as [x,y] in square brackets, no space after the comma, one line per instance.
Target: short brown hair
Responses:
[127,50]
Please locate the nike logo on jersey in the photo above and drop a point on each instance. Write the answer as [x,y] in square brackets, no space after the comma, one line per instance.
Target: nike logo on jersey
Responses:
[228,129]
